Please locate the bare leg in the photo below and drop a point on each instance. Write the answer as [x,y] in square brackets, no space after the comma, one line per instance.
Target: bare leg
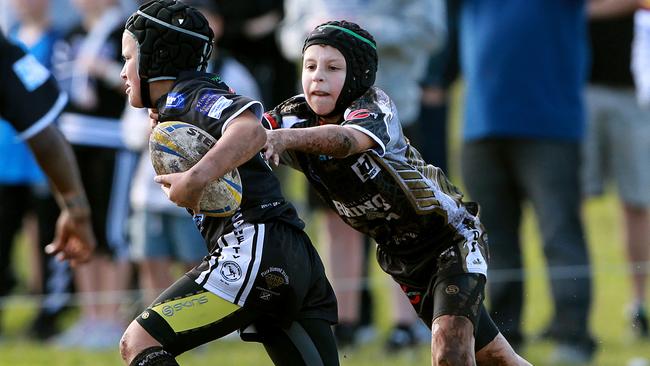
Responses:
[134,341]
[637,241]
[452,341]
[155,276]
[114,278]
[345,247]
[498,353]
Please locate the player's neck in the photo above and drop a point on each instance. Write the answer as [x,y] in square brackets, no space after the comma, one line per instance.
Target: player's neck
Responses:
[159,88]
[330,120]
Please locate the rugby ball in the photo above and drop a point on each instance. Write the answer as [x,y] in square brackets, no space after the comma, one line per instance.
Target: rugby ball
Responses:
[176,146]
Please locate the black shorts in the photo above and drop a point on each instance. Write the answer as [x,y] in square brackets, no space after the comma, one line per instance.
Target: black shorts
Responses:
[453,290]
[450,281]
[266,271]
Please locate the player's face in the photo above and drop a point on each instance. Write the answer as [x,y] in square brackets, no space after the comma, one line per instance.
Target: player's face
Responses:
[129,71]
[323,75]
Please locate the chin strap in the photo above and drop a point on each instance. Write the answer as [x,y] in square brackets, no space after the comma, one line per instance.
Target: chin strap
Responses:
[145,95]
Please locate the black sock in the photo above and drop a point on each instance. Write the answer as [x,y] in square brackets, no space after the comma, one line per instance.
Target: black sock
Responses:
[154,356]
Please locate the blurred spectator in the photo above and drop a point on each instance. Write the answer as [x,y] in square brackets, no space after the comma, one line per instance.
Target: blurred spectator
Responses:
[441,72]
[525,66]
[406,33]
[641,53]
[30,101]
[35,33]
[18,169]
[618,138]
[87,64]
[249,35]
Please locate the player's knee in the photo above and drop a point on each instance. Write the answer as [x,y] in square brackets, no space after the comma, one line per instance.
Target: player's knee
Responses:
[135,341]
[452,341]
[453,328]
[126,350]
[452,357]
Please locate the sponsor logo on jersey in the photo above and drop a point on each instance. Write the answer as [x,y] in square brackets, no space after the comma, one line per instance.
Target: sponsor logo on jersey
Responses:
[275,277]
[175,100]
[376,204]
[30,72]
[359,114]
[474,260]
[176,306]
[230,271]
[212,104]
[218,107]
[452,290]
[365,168]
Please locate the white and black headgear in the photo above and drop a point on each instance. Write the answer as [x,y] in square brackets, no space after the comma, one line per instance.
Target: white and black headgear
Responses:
[171,37]
[360,52]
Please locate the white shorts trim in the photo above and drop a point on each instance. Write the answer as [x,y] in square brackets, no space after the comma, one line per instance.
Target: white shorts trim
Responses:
[233,267]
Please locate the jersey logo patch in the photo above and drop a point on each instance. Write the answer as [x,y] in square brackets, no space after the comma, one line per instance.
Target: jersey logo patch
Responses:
[212,104]
[175,100]
[275,277]
[358,114]
[365,168]
[30,72]
[218,107]
[230,271]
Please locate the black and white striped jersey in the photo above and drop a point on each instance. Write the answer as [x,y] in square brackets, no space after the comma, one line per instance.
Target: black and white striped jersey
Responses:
[205,101]
[389,193]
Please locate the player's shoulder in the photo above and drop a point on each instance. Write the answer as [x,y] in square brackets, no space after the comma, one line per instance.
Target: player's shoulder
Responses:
[373,103]
[290,113]
[191,87]
[191,80]
[375,96]
[293,105]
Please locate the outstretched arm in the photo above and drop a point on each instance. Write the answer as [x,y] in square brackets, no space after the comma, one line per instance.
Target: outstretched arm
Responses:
[74,239]
[333,140]
[243,138]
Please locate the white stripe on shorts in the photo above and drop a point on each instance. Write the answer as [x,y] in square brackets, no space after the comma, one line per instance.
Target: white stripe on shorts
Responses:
[237,264]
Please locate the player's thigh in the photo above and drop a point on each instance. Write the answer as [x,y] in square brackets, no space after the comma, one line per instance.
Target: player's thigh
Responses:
[186,315]
[305,342]
[630,140]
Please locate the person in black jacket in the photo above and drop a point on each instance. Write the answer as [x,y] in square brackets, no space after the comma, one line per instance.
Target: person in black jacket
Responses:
[31,101]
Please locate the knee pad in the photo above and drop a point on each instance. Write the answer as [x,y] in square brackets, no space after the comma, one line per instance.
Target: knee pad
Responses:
[459,295]
[154,356]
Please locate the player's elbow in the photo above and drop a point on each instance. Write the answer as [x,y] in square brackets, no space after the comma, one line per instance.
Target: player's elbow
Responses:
[258,136]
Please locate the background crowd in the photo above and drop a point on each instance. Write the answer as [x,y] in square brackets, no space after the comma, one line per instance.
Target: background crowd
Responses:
[556,103]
